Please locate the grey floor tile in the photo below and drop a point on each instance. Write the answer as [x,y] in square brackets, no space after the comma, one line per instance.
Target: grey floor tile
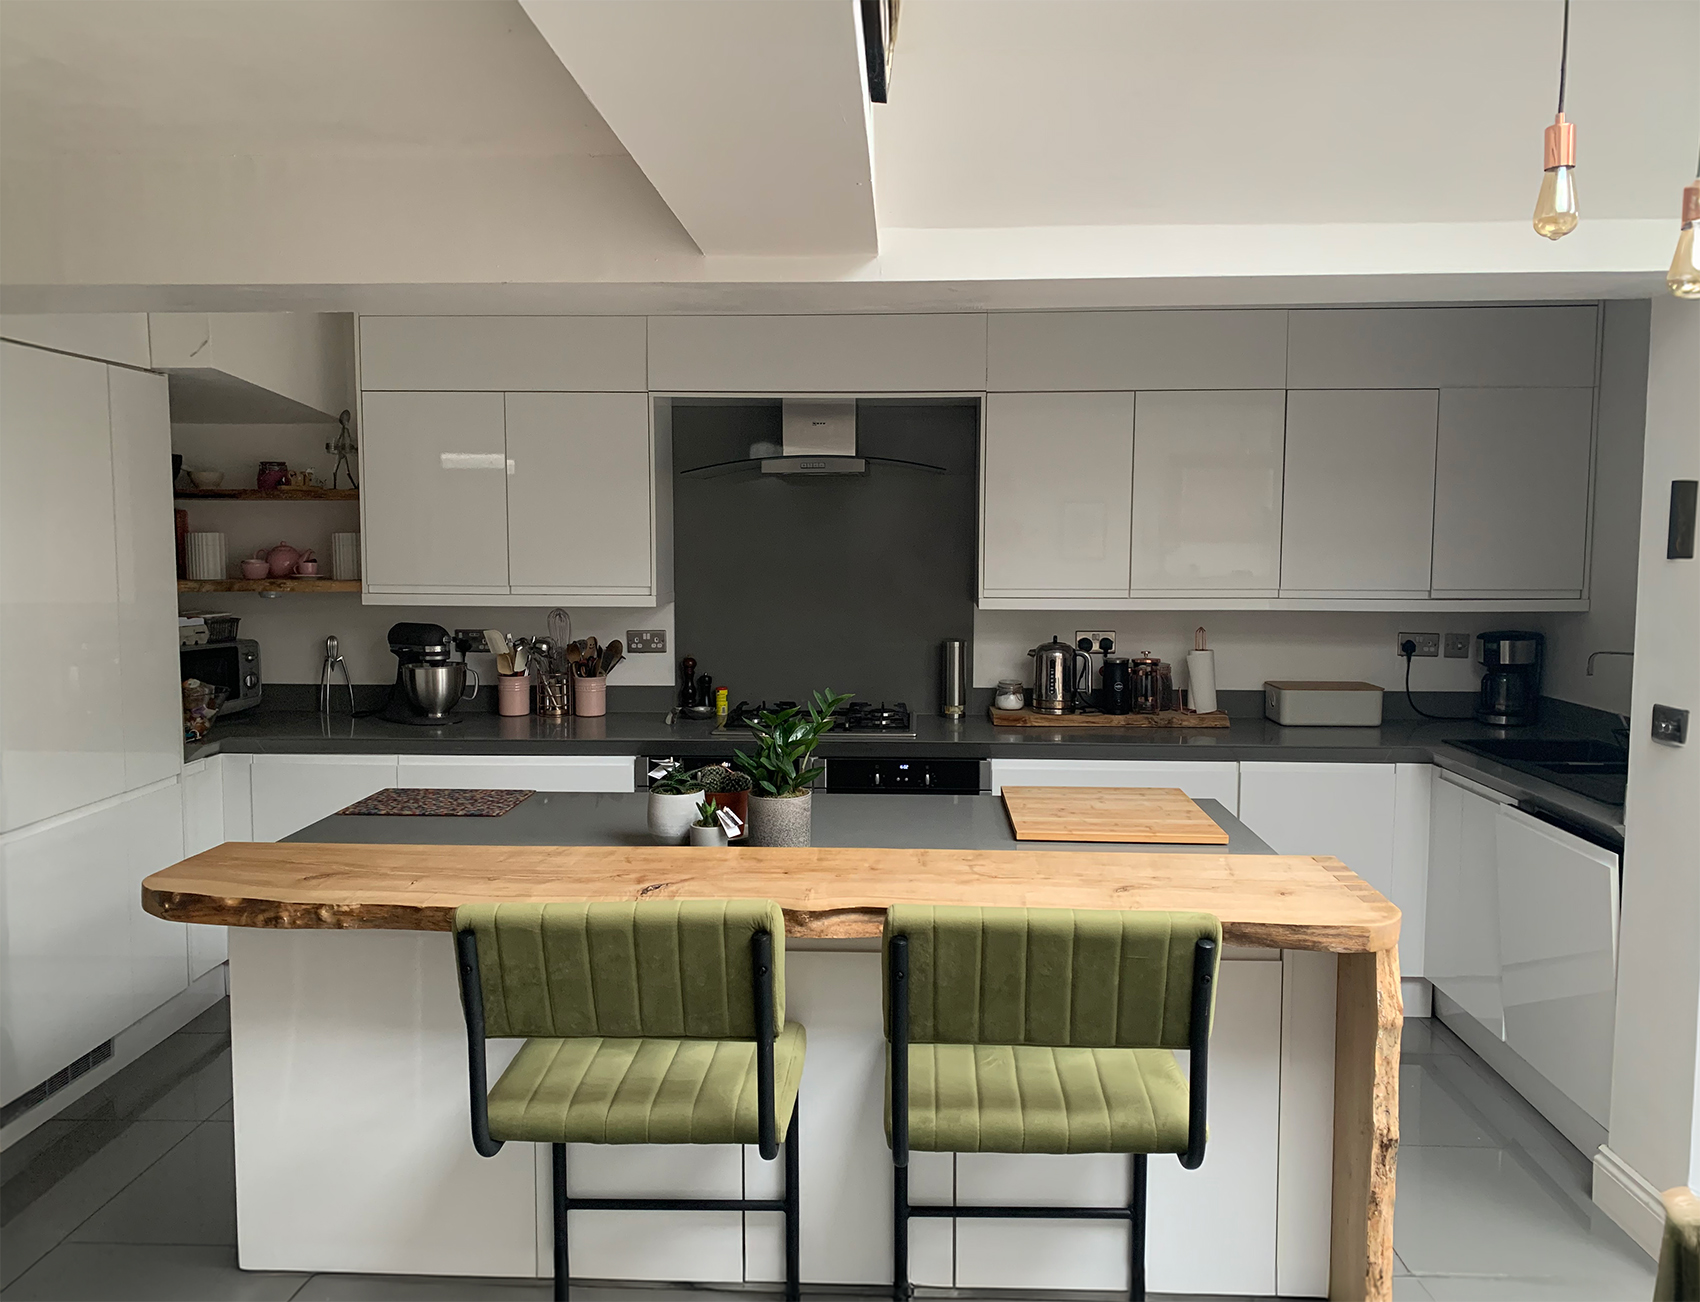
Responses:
[1482,1212]
[1426,1035]
[186,1077]
[216,1018]
[1399,1266]
[226,1113]
[40,1208]
[188,1196]
[1408,1288]
[25,1150]
[1462,1288]
[131,1272]
[426,1288]
[1432,1112]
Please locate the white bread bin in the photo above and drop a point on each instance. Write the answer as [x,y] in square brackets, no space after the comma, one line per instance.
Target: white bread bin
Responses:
[1322,705]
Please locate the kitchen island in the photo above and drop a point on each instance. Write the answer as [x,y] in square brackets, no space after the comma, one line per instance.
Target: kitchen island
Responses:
[350,1100]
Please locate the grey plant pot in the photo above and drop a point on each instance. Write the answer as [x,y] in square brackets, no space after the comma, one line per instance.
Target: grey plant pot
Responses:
[780,820]
[670,817]
[707,835]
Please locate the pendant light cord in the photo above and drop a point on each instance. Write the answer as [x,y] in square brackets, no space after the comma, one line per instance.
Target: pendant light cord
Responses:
[1563,56]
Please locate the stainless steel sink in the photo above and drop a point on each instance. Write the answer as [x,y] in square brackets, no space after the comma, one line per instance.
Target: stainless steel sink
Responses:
[1597,769]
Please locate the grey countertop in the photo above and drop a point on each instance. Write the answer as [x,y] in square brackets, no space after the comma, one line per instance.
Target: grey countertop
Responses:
[889,822]
[1401,741]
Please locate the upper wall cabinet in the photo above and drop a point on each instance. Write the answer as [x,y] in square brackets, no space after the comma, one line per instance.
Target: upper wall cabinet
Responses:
[1358,511]
[1511,492]
[1031,351]
[559,354]
[818,354]
[1207,492]
[1057,477]
[1441,347]
[255,368]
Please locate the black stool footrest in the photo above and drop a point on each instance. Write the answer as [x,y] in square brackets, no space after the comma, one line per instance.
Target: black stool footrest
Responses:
[1024,1213]
[676,1204]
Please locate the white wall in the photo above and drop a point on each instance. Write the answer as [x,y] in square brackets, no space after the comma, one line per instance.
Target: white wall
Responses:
[1250,646]
[1654,1070]
[1609,622]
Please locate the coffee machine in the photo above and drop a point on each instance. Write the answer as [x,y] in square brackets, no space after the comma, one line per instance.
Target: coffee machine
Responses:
[1511,686]
[429,681]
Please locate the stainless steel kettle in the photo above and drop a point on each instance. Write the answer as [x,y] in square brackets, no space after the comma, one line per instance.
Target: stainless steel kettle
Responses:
[1055,679]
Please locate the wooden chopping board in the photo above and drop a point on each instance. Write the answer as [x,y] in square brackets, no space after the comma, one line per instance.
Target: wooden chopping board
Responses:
[1142,815]
[1025,718]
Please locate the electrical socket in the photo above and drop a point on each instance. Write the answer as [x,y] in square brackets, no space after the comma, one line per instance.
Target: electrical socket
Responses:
[1097,638]
[646,641]
[1428,644]
[1457,646]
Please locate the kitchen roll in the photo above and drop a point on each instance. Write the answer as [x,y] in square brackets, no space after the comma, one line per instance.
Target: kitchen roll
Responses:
[205,556]
[1201,669]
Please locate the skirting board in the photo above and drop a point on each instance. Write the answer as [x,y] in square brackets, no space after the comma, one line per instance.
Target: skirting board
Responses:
[1418,997]
[1623,1194]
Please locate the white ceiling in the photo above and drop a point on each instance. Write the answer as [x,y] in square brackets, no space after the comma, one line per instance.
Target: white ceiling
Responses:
[1129,112]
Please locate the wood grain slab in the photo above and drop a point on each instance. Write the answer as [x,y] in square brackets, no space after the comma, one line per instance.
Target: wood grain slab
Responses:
[1164,719]
[1274,901]
[1125,815]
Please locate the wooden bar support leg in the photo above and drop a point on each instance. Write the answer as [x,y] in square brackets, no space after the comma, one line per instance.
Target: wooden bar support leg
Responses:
[1368,1018]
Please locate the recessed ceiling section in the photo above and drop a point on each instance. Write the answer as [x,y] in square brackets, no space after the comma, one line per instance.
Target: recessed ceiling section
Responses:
[750,118]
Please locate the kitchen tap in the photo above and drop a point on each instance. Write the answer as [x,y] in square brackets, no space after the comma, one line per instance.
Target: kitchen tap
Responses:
[1597,654]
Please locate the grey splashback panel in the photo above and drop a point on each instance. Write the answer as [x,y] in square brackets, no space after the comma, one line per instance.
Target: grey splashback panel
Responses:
[786,585]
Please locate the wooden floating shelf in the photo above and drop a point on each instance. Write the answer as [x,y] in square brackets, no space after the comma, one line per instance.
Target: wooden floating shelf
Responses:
[268,494]
[268,585]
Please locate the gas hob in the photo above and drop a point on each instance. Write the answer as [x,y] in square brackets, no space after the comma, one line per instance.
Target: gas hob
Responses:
[858,719]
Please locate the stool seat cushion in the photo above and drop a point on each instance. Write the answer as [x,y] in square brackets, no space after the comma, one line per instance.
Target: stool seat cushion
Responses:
[600,1090]
[1025,1098]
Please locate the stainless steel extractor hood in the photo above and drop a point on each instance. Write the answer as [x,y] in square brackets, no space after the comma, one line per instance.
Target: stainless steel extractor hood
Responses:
[819,438]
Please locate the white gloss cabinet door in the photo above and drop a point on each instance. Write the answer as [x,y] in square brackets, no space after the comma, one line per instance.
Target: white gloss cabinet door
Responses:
[1511,492]
[1207,492]
[1186,1252]
[581,470]
[1202,780]
[149,670]
[1461,943]
[1057,483]
[516,772]
[1357,516]
[1344,810]
[434,492]
[203,829]
[1558,909]
[292,791]
[61,698]
[1434,347]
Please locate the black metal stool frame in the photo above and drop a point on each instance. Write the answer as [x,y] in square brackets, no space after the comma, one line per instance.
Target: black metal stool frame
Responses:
[761,952]
[1198,1034]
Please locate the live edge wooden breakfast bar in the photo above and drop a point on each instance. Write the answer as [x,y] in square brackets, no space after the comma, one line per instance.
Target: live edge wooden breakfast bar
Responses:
[350,1081]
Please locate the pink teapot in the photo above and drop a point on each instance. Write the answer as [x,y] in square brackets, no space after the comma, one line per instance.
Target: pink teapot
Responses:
[282,559]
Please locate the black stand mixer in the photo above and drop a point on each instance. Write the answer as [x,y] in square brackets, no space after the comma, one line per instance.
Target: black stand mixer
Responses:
[429,681]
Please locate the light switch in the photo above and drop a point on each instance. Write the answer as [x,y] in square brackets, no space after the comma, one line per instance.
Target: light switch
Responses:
[1670,724]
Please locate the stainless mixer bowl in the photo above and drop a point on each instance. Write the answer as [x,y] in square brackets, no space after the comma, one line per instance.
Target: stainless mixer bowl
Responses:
[434,690]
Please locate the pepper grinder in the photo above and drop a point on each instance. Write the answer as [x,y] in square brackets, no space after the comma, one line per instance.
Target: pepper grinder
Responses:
[688,671]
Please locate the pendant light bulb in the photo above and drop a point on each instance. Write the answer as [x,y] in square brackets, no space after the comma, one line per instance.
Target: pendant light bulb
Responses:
[1683,279]
[1556,213]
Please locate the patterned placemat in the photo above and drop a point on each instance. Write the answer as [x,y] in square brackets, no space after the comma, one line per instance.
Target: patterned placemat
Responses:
[441,802]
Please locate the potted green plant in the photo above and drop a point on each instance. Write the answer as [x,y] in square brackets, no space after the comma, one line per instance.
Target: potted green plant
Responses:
[782,772]
[672,806]
[707,830]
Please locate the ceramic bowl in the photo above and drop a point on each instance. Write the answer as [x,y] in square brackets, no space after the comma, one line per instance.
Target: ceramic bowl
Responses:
[253,569]
[206,478]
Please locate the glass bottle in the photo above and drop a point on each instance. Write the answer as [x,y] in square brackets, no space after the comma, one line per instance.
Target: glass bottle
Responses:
[1683,279]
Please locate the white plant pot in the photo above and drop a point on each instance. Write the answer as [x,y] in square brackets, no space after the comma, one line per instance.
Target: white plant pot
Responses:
[707,835]
[670,817]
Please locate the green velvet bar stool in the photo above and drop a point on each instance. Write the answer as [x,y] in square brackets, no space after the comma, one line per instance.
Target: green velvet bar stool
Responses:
[1045,1031]
[655,1022]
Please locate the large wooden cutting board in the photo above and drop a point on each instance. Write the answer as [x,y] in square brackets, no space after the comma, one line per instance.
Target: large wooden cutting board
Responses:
[1142,815]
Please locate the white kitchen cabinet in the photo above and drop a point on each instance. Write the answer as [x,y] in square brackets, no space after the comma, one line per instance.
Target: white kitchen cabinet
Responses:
[1208,349]
[519,772]
[1206,492]
[61,694]
[1461,946]
[291,791]
[1185,1250]
[434,492]
[1057,488]
[1202,780]
[105,336]
[1558,911]
[233,368]
[81,960]
[1440,347]
[150,672]
[1511,492]
[235,778]
[1357,513]
[844,354]
[580,496]
[496,353]
[695,1247]
[203,829]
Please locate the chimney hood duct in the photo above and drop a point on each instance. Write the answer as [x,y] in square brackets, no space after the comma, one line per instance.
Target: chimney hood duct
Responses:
[819,438]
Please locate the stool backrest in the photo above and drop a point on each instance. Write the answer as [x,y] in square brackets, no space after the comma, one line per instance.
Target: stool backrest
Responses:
[673,969]
[1094,978]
